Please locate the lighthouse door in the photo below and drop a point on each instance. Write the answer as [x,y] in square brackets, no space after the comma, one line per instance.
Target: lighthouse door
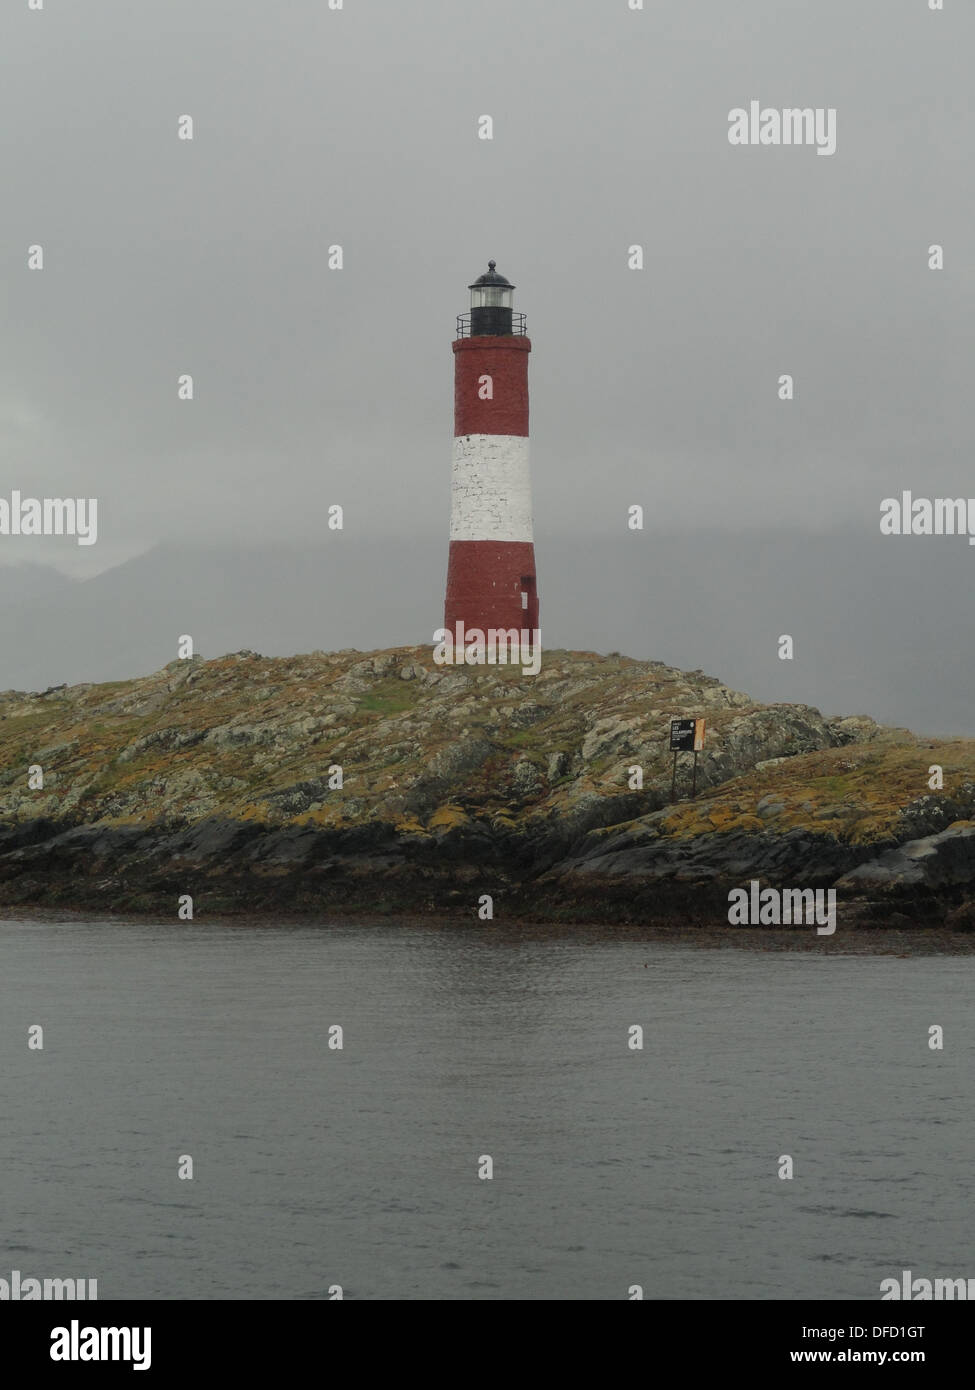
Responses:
[529,602]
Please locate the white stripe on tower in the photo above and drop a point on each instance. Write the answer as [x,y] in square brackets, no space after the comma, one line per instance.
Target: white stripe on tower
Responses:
[490,488]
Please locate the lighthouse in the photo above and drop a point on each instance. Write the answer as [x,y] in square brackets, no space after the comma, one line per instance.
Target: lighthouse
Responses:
[491,567]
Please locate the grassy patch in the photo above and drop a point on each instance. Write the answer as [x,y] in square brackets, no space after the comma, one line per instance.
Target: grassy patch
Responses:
[388,698]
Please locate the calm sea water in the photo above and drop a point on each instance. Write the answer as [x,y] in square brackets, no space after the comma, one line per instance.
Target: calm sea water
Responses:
[359,1167]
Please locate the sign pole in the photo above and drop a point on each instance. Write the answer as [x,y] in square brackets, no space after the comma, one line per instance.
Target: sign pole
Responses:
[694,777]
[673,779]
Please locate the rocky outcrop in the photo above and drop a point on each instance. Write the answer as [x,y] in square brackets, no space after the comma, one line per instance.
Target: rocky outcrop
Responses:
[936,861]
[367,779]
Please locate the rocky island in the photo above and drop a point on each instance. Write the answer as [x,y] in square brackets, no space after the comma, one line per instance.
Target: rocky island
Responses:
[381,782]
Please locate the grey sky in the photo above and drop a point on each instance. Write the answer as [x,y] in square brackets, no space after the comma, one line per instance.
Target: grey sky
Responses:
[358,127]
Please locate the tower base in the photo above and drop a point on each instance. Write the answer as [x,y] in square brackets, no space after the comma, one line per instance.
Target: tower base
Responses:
[491,584]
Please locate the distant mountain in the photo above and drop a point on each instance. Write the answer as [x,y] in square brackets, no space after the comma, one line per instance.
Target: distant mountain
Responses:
[879,623]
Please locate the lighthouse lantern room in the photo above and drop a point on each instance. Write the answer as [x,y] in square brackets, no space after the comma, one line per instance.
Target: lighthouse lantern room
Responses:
[491,296]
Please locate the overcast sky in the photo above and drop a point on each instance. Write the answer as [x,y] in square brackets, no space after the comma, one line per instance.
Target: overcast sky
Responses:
[359,127]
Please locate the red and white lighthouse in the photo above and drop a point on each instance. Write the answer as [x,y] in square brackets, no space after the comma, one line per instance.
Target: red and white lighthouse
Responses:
[491,570]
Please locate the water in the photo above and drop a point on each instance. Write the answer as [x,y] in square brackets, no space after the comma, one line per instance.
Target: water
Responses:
[358,1167]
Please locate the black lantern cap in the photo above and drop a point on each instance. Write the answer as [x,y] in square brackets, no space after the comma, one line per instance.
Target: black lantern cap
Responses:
[491,277]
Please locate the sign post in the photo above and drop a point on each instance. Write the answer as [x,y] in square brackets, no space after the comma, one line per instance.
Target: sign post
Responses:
[686,736]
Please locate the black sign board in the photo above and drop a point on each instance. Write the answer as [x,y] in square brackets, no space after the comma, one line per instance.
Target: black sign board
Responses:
[682,735]
[686,735]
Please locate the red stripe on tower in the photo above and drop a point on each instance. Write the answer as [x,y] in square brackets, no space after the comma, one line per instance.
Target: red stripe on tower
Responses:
[491,570]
